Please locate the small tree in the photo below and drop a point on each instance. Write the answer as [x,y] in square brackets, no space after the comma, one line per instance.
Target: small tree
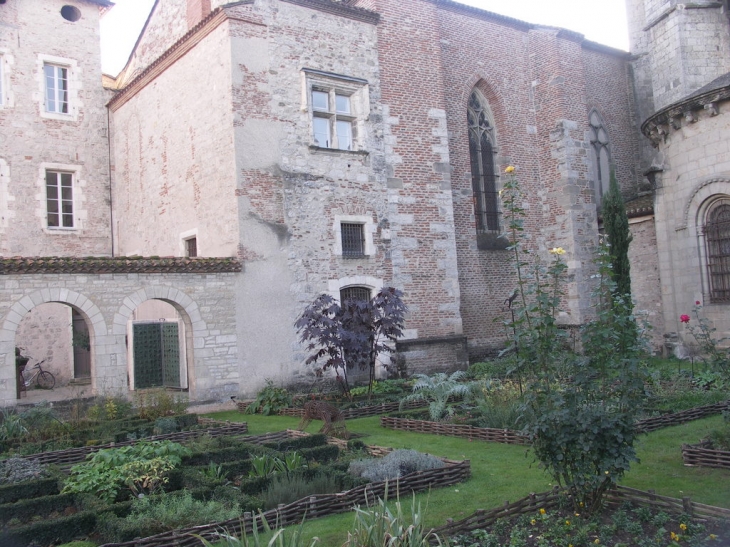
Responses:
[354,333]
[616,225]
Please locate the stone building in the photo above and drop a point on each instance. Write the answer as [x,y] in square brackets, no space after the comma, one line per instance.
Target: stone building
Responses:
[274,150]
[681,68]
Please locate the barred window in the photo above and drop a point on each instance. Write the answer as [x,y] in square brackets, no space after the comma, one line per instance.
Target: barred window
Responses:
[353,240]
[717,238]
[354,293]
[483,173]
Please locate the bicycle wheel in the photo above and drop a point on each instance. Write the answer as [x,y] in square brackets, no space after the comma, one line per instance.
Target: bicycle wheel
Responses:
[46,380]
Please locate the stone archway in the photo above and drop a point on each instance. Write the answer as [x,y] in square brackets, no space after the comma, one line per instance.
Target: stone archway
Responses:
[89,311]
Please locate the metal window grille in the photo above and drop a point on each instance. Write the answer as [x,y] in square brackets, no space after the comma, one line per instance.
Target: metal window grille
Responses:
[191,247]
[354,293]
[717,237]
[353,240]
[483,173]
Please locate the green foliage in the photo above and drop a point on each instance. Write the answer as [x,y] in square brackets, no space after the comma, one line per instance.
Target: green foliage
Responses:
[165,425]
[616,227]
[153,515]
[285,489]
[583,434]
[388,525]
[394,465]
[269,538]
[270,400]
[108,408]
[498,405]
[716,357]
[381,387]
[720,437]
[12,427]
[267,465]
[437,389]
[156,403]
[141,467]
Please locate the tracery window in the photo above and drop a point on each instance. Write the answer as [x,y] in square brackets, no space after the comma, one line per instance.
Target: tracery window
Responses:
[717,239]
[482,147]
[601,155]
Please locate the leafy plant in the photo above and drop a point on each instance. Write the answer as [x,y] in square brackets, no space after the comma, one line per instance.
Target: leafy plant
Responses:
[352,333]
[437,389]
[157,403]
[716,357]
[267,465]
[285,489]
[279,537]
[616,227]
[270,400]
[142,467]
[12,426]
[14,470]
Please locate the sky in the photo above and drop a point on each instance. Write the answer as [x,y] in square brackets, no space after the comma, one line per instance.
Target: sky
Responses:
[602,21]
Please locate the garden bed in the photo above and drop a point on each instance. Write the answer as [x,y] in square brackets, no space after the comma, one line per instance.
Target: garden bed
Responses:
[311,506]
[703,455]
[76,455]
[350,413]
[506,436]
[676,418]
[551,500]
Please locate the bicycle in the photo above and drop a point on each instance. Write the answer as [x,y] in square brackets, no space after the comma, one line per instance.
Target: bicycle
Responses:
[43,378]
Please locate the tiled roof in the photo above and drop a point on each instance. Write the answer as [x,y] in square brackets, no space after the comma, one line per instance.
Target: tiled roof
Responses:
[111,265]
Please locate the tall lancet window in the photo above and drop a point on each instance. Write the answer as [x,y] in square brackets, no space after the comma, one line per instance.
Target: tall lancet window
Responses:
[482,147]
[717,239]
[601,155]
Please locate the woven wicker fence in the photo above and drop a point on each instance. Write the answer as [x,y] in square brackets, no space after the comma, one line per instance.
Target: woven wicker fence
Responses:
[703,455]
[550,500]
[677,418]
[350,413]
[75,455]
[312,506]
[506,436]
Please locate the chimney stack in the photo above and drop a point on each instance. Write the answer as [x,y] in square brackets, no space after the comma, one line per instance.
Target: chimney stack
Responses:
[197,11]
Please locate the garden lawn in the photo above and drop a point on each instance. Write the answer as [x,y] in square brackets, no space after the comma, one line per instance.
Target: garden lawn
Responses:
[508,472]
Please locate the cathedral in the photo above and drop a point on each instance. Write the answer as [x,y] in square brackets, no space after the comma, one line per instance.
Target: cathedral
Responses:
[167,225]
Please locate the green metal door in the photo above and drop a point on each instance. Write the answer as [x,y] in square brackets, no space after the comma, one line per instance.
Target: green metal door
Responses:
[156,354]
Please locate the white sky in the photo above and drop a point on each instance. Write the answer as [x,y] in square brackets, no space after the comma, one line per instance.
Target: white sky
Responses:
[601,21]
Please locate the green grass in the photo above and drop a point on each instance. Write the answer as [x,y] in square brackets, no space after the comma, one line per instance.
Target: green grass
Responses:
[507,472]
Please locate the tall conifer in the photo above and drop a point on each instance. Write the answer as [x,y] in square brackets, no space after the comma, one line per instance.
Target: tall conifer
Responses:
[616,227]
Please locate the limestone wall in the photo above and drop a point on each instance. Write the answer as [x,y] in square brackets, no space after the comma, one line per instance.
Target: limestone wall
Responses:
[107,302]
[33,140]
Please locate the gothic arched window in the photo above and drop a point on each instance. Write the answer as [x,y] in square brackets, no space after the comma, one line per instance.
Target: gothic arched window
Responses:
[601,156]
[717,239]
[482,147]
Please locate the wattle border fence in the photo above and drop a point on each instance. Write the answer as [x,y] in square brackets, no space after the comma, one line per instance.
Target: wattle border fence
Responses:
[703,455]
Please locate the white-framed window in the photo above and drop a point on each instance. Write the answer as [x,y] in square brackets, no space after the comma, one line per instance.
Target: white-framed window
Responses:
[59,199]
[354,236]
[337,106]
[56,84]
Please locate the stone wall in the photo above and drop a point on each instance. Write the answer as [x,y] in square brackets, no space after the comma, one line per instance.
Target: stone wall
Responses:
[33,140]
[107,301]
[45,335]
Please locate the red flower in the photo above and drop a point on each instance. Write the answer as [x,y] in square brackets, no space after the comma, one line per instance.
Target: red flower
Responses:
[697,302]
[684,318]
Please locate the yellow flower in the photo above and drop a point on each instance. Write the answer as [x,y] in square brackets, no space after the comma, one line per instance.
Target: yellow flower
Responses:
[597,541]
[567,523]
[713,537]
[542,511]
[674,536]
[510,169]
[557,251]
[606,472]
[581,504]
[683,527]
[577,514]
[533,522]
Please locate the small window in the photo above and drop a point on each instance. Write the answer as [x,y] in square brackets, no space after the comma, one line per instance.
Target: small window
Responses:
[601,155]
[483,173]
[332,119]
[59,199]
[56,84]
[717,238]
[354,293]
[353,240]
[70,13]
[191,247]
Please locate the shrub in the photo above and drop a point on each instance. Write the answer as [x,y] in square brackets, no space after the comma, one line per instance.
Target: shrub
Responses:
[165,425]
[394,465]
[285,489]
[156,403]
[438,389]
[153,515]
[14,470]
[270,400]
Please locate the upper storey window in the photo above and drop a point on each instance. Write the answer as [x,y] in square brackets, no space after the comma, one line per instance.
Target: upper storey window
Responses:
[601,155]
[56,84]
[338,106]
[59,199]
[482,148]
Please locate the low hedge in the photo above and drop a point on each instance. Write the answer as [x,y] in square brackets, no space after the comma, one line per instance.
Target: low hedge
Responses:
[10,493]
[46,532]
[299,443]
[219,455]
[321,454]
[43,506]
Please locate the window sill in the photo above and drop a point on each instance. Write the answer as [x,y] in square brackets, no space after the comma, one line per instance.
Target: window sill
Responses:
[61,230]
[318,149]
[352,257]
